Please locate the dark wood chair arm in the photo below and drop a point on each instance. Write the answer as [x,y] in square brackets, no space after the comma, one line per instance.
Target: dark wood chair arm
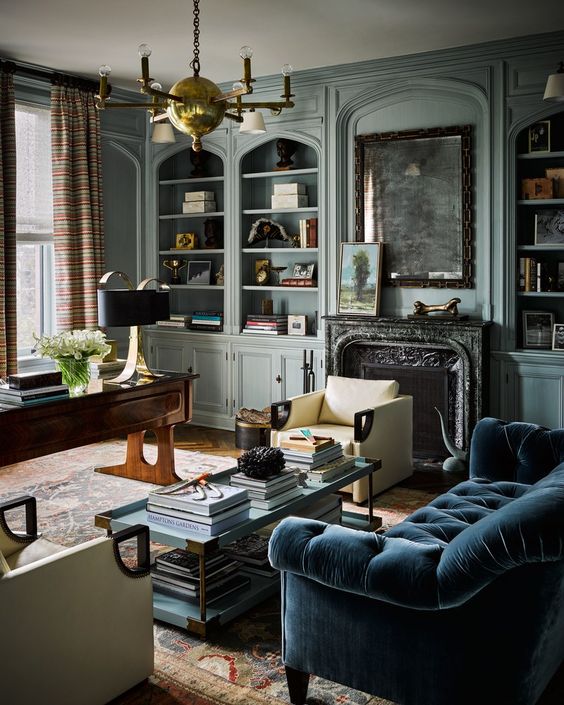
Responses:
[363,421]
[30,518]
[143,557]
[279,414]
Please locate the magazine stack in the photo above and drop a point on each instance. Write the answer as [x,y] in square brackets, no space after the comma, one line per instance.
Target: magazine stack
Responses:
[207,511]
[29,389]
[252,553]
[270,492]
[177,573]
[322,462]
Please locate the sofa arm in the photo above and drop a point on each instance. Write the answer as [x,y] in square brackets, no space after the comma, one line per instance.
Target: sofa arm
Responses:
[393,570]
[297,411]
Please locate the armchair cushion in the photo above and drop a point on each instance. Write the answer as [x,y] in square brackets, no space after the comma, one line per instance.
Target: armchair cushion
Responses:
[344,396]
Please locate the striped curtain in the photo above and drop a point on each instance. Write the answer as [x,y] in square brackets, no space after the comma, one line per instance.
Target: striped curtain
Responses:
[8,312]
[77,204]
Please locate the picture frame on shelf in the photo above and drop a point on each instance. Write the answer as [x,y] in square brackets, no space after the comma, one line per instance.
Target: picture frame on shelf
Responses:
[186,241]
[560,276]
[303,270]
[413,192]
[549,227]
[199,272]
[297,325]
[537,329]
[558,336]
[360,275]
[539,136]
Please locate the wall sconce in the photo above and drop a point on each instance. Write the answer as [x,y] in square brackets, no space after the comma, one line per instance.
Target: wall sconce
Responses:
[134,308]
[555,85]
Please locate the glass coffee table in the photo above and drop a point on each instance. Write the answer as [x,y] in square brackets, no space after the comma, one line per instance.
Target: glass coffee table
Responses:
[198,617]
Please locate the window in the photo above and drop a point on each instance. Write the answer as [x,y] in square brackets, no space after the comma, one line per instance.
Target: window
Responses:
[34,226]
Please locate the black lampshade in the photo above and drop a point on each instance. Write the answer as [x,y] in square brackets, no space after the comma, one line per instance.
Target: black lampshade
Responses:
[140,307]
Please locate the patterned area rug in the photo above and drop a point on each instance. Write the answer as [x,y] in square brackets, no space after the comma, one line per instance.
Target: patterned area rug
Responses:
[241,664]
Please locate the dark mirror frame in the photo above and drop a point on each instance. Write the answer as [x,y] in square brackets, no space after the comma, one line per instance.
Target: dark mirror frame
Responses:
[396,196]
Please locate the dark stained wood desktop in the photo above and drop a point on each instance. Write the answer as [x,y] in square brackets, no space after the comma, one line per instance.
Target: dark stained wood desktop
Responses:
[106,411]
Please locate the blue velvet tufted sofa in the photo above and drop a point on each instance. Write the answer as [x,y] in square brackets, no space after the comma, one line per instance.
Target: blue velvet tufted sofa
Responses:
[462,603]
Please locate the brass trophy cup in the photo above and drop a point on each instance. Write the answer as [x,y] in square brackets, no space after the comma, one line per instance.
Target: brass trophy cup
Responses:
[175,265]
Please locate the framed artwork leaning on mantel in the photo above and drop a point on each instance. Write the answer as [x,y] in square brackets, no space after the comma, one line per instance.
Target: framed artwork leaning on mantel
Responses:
[359,278]
[413,194]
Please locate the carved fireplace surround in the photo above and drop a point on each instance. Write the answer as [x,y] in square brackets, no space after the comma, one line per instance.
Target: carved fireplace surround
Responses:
[443,363]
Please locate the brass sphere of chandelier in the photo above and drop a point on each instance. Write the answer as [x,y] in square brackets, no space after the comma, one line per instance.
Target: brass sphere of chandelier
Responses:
[195,105]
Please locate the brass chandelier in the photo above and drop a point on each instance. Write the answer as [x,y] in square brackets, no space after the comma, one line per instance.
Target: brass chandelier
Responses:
[195,105]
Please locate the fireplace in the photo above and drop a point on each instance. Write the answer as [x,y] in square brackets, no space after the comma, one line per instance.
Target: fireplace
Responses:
[440,363]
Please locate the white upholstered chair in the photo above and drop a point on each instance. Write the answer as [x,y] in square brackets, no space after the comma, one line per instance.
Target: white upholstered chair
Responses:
[77,624]
[369,417]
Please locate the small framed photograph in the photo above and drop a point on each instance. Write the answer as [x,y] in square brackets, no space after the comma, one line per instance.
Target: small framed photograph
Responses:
[199,272]
[303,271]
[537,329]
[360,278]
[549,227]
[558,336]
[539,136]
[297,325]
[186,241]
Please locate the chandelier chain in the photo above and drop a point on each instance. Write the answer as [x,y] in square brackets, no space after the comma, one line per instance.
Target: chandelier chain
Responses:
[195,63]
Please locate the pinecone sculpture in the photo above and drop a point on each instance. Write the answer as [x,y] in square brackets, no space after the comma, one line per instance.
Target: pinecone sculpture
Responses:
[261,462]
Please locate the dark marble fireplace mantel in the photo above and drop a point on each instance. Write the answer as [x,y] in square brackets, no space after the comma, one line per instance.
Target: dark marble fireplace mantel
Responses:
[468,340]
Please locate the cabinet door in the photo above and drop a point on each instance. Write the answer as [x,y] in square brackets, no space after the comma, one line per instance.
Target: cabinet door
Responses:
[536,394]
[169,355]
[211,391]
[291,373]
[253,377]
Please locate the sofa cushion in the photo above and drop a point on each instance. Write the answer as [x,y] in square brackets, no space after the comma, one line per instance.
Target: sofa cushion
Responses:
[344,396]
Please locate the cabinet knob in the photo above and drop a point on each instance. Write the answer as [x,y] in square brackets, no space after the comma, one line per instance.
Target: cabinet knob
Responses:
[278,379]
[190,370]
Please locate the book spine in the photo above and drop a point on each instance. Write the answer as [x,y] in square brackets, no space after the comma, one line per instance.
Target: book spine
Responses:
[529,276]
[291,281]
[175,522]
[521,282]
[313,233]
[46,379]
[539,277]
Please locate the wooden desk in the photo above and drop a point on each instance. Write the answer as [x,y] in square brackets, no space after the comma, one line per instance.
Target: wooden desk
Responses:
[106,411]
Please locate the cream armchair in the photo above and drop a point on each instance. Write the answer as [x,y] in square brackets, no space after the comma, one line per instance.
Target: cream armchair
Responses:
[368,417]
[77,624]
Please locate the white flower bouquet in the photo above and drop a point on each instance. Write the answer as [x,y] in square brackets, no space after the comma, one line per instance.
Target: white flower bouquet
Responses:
[73,344]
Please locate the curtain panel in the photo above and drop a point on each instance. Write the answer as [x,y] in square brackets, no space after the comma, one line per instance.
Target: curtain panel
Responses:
[77,205]
[8,311]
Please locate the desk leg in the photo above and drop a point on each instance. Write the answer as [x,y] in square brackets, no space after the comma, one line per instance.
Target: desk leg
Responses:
[137,468]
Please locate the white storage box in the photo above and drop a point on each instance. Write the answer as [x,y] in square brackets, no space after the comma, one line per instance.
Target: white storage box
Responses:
[198,207]
[286,189]
[199,196]
[289,201]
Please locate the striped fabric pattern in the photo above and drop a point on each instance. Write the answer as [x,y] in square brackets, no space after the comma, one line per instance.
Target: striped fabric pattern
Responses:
[77,205]
[8,310]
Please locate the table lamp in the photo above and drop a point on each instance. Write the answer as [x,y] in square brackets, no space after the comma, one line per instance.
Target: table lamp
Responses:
[134,308]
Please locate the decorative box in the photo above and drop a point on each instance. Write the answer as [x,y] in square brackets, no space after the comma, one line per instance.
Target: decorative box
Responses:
[536,189]
[289,201]
[198,207]
[287,189]
[557,176]
[199,196]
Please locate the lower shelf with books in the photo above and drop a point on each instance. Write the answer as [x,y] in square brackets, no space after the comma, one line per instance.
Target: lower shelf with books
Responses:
[195,614]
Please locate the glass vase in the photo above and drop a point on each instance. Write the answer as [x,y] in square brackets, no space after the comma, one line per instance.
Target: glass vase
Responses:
[75,373]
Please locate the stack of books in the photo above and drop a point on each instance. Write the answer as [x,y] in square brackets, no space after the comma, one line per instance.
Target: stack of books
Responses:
[199,202]
[322,461]
[29,389]
[180,507]
[270,492]
[298,281]
[308,232]
[264,324]
[105,370]
[177,573]
[211,321]
[176,320]
[252,552]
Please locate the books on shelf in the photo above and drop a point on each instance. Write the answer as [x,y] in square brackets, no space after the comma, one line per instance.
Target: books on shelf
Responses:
[101,370]
[183,562]
[214,575]
[298,281]
[263,324]
[197,527]
[332,469]
[207,321]
[308,232]
[173,323]
[178,496]
[231,584]
[531,274]
[277,500]
[7,398]
[35,380]
[252,554]
[268,487]
[162,507]
[310,461]
[34,393]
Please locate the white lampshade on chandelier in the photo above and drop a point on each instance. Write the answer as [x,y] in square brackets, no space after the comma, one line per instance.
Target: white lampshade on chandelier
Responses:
[195,105]
[163,133]
[555,85]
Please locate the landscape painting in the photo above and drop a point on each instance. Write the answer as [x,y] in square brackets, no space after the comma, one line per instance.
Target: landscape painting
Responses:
[359,279]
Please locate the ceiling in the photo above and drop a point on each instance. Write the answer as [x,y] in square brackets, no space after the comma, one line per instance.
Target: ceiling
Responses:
[76,37]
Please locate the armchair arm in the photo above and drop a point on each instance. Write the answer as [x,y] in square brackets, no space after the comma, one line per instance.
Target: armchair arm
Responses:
[297,411]
[363,421]
[393,570]
[30,519]
[143,556]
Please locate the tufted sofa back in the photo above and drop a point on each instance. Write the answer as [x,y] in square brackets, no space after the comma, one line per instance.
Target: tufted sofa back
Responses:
[517,452]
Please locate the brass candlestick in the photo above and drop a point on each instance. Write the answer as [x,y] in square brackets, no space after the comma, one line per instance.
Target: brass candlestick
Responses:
[175,265]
